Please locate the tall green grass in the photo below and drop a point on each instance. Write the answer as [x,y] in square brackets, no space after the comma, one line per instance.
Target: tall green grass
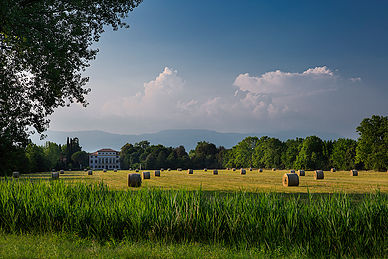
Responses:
[325,225]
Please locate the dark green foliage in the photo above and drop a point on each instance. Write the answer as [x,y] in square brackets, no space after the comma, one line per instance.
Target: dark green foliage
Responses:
[53,153]
[321,226]
[34,158]
[12,158]
[45,45]
[80,159]
[311,155]
[205,155]
[153,156]
[372,147]
[242,153]
[37,161]
[268,153]
[344,154]
[291,151]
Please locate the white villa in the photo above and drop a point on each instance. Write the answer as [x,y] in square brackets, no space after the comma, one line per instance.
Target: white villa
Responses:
[104,159]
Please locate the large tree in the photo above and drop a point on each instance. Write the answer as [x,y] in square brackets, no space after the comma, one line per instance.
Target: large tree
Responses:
[344,153]
[268,153]
[243,152]
[311,155]
[45,45]
[372,147]
[80,159]
[292,148]
[205,155]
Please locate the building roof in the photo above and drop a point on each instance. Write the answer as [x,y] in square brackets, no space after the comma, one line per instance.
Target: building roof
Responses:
[107,150]
[103,150]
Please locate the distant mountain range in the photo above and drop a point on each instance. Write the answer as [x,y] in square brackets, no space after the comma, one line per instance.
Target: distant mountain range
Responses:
[94,139]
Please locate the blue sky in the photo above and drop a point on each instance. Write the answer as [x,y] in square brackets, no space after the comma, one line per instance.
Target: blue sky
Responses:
[239,66]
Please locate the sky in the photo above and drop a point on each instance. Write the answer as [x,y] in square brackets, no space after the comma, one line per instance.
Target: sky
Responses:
[238,66]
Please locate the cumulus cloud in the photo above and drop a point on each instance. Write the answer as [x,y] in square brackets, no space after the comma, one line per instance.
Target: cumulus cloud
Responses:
[160,96]
[287,100]
[285,83]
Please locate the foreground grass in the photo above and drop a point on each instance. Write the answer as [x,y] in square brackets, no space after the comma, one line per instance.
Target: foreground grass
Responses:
[52,245]
[318,226]
[227,180]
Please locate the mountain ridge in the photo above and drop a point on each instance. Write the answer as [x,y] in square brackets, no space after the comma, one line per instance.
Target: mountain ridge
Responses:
[92,140]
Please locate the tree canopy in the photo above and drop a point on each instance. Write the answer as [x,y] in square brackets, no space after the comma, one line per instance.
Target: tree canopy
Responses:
[372,148]
[45,45]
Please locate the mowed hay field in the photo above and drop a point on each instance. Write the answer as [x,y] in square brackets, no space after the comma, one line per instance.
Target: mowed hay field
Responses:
[232,212]
[227,180]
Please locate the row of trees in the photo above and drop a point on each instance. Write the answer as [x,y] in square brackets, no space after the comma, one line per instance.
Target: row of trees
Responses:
[369,152]
[148,156]
[308,153]
[36,158]
[264,152]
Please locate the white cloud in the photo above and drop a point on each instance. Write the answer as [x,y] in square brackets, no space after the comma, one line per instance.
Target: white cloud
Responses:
[278,93]
[160,97]
[355,79]
[272,101]
[286,83]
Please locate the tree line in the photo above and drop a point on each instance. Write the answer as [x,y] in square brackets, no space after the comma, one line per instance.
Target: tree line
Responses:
[369,152]
[51,156]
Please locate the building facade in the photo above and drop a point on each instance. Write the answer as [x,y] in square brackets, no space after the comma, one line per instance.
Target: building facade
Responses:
[104,159]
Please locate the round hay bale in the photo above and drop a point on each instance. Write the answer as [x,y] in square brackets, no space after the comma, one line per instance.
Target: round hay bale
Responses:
[157,172]
[260,170]
[104,170]
[205,169]
[292,171]
[137,170]
[169,169]
[69,169]
[215,172]
[130,169]
[333,170]
[161,169]
[233,169]
[115,170]
[61,172]
[250,169]
[301,173]
[179,169]
[273,169]
[353,172]
[242,171]
[318,175]
[15,174]
[134,180]
[190,171]
[146,175]
[90,172]
[290,180]
[55,175]
[85,170]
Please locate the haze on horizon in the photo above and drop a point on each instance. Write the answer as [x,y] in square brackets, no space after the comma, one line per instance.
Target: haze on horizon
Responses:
[249,67]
